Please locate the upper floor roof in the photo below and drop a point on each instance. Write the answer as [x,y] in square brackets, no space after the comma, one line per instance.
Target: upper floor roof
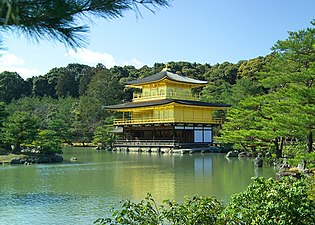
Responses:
[165,74]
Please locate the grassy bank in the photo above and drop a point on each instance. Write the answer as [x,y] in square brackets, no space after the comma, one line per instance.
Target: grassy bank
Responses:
[7,158]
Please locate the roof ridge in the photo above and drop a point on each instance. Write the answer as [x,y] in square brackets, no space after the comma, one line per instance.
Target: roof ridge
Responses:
[166,73]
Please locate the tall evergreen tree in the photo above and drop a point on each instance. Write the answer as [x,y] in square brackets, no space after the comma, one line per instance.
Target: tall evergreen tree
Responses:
[20,128]
[3,116]
[288,109]
[67,85]
[291,80]
[104,89]
[12,86]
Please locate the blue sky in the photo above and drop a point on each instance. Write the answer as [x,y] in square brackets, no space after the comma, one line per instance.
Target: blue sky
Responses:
[202,31]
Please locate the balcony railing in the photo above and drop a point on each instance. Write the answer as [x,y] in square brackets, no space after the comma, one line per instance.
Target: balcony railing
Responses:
[137,97]
[166,120]
[146,143]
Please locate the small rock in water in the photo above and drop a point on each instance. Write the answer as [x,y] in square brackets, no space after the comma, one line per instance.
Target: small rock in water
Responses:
[242,154]
[258,161]
[73,159]
[232,154]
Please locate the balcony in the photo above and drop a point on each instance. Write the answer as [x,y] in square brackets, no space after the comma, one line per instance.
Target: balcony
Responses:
[119,122]
[146,143]
[137,97]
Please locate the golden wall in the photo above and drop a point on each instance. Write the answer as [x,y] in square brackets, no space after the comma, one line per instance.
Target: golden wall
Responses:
[166,89]
[174,112]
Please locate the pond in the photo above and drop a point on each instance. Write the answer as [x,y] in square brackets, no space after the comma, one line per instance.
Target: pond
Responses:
[82,191]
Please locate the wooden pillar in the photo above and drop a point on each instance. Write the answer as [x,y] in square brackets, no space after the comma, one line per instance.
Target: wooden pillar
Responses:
[153,133]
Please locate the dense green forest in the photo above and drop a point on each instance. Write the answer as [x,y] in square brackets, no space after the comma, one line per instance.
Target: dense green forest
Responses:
[272,100]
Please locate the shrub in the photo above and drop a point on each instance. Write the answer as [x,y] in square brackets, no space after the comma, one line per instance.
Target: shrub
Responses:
[144,212]
[308,158]
[264,202]
[271,202]
[196,210]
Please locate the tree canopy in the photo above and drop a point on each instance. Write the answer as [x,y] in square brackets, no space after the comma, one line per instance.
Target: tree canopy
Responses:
[12,86]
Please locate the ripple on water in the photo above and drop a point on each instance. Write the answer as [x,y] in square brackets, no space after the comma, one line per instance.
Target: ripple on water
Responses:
[52,208]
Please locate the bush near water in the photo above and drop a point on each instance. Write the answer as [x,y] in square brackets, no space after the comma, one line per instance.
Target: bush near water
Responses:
[265,201]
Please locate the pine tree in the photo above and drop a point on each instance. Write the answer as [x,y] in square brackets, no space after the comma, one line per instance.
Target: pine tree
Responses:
[59,19]
[287,108]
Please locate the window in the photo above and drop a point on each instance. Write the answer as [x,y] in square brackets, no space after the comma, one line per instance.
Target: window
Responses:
[198,136]
[203,135]
[208,136]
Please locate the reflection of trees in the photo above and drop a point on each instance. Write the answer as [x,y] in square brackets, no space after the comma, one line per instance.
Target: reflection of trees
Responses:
[222,177]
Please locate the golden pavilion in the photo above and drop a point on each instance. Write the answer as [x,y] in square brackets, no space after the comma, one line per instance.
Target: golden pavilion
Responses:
[165,114]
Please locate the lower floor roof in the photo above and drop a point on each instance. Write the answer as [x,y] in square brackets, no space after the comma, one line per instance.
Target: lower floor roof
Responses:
[129,105]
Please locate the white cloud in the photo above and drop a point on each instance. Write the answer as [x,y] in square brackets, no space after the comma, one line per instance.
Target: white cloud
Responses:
[13,63]
[134,62]
[92,58]
[7,60]
[89,57]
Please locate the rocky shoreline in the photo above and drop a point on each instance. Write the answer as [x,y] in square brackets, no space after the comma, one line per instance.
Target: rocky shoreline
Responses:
[282,164]
[14,159]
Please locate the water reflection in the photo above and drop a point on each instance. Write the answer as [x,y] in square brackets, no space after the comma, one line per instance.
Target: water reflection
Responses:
[87,189]
[203,167]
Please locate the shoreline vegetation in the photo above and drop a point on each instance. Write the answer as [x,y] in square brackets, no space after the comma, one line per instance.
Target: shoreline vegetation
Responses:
[287,201]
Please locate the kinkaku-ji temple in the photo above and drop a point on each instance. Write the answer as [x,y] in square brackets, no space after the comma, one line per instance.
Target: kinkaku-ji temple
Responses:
[165,115]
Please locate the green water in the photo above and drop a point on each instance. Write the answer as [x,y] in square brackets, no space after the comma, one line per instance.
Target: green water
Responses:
[80,192]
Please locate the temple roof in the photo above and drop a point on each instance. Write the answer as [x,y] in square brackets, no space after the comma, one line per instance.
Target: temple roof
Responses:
[129,105]
[166,74]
